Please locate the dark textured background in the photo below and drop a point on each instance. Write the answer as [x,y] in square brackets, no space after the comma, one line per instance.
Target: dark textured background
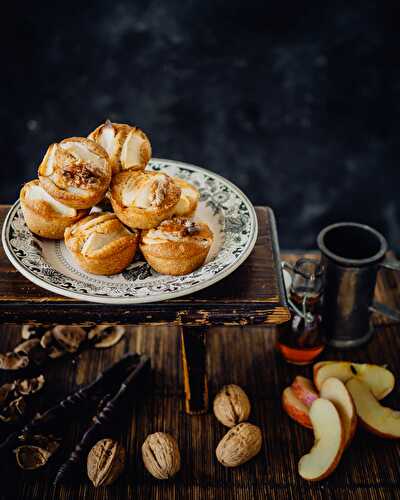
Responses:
[296,102]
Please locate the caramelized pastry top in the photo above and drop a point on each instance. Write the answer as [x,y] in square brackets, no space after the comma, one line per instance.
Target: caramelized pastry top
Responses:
[145,190]
[128,147]
[98,234]
[179,230]
[76,165]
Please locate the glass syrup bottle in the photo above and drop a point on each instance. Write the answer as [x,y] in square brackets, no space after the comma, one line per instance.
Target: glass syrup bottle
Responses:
[300,340]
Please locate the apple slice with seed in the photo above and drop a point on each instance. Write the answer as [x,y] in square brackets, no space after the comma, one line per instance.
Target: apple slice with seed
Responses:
[376,418]
[334,390]
[304,390]
[325,455]
[379,379]
[295,408]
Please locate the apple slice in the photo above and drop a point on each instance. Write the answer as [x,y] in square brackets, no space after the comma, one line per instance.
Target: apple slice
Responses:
[295,408]
[379,379]
[335,390]
[328,447]
[378,419]
[304,390]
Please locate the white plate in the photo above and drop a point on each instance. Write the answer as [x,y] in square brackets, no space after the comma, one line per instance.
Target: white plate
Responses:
[222,206]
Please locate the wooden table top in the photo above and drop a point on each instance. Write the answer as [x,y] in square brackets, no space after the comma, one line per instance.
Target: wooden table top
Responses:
[369,469]
[252,294]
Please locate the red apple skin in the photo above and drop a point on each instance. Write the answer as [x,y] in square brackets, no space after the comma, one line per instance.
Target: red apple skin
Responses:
[372,430]
[304,390]
[295,408]
[332,467]
[316,368]
[353,429]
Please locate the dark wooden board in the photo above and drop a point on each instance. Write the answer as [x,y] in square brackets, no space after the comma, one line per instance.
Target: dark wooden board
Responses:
[369,469]
[252,294]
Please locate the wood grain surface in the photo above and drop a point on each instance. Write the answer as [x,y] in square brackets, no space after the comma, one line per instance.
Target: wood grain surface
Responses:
[252,294]
[369,469]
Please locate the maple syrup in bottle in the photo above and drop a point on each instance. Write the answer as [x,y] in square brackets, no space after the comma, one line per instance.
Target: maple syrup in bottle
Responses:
[300,340]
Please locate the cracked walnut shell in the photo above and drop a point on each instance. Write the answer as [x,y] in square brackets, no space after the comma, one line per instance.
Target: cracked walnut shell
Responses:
[69,337]
[37,453]
[33,350]
[13,411]
[13,361]
[32,331]
[28,386]
[105,336]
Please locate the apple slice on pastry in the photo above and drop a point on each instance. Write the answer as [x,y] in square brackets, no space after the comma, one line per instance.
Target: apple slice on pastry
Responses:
[189,198]
[44,215]
[101,244]
[128,147]
[76,172]
[143,199]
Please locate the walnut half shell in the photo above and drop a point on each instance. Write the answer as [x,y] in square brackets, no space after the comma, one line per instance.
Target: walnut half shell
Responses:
[30,385]
[37,453]
[69,337]
[50,345]
[5,391]
[33,350]
[31,457]
[106,335]
[13,361]
[31,331]
[62,339]
[13,411]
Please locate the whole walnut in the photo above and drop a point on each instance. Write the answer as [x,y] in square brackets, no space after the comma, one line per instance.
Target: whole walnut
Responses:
[240,444]
[105,462]
[231,405]
[161,455]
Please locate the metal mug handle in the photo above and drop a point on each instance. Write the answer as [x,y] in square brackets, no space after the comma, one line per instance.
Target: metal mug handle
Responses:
[393,314]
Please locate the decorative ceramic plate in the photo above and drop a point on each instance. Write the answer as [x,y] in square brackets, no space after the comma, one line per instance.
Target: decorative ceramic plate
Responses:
[226,210]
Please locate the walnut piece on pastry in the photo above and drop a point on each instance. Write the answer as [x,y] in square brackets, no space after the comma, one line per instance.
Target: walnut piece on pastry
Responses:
[76,172]
[189,198]
[101,244]
[44,215]
[177,246]
[143,199]
[128,147]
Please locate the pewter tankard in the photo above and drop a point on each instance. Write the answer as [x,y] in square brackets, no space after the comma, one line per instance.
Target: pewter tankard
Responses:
[351,256]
